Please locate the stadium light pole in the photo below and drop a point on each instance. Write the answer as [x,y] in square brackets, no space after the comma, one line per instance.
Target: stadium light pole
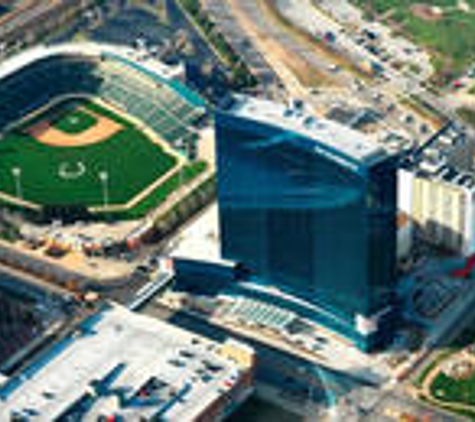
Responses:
[104,178]
[16,172]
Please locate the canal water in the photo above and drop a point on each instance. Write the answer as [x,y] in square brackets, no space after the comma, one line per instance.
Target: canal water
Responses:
[258,410]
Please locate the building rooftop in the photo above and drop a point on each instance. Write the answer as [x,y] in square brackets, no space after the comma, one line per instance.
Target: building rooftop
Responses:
[447,157]
[124,364]
[355,145]
[93,49]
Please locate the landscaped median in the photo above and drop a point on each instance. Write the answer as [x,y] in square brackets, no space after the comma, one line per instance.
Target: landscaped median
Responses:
[453,394]
[241,76]
[449,380]
[459,392]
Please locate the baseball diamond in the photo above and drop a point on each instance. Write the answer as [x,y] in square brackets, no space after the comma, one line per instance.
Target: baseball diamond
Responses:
[131,159]
[88,128]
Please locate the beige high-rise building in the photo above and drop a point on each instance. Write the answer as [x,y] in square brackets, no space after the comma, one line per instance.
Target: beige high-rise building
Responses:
[442,207]
[436,188]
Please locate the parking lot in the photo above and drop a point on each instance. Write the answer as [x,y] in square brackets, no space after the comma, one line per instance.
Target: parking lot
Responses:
[129,25]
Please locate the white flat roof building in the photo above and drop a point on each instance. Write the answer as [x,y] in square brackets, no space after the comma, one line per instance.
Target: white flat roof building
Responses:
[130,366]
[341,139]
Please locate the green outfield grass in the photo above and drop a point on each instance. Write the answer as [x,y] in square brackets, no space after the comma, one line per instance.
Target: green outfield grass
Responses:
[450,39]
[162,192]
[62,176]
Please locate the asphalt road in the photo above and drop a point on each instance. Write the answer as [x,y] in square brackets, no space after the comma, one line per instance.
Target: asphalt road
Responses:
[220,12]
[273,366]
[370,92]
[298,381]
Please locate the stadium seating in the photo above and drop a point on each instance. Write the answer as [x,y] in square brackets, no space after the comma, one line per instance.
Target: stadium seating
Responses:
[165,106]
[159,106]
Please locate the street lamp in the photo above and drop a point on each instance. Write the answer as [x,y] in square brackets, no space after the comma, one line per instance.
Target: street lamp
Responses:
[16,172]
[104,178]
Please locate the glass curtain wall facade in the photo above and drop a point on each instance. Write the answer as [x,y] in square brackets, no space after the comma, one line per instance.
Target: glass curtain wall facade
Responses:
[314,222]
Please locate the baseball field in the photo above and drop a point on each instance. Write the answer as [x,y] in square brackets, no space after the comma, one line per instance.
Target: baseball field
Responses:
[83,153]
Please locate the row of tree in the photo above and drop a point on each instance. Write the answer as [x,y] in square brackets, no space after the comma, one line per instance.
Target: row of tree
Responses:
[240,75]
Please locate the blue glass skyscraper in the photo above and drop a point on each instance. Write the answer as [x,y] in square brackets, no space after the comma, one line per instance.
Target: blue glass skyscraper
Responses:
[310,206]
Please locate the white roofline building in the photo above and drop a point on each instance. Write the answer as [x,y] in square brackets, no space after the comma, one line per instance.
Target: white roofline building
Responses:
[130,366]
[93,49]
[340,140]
